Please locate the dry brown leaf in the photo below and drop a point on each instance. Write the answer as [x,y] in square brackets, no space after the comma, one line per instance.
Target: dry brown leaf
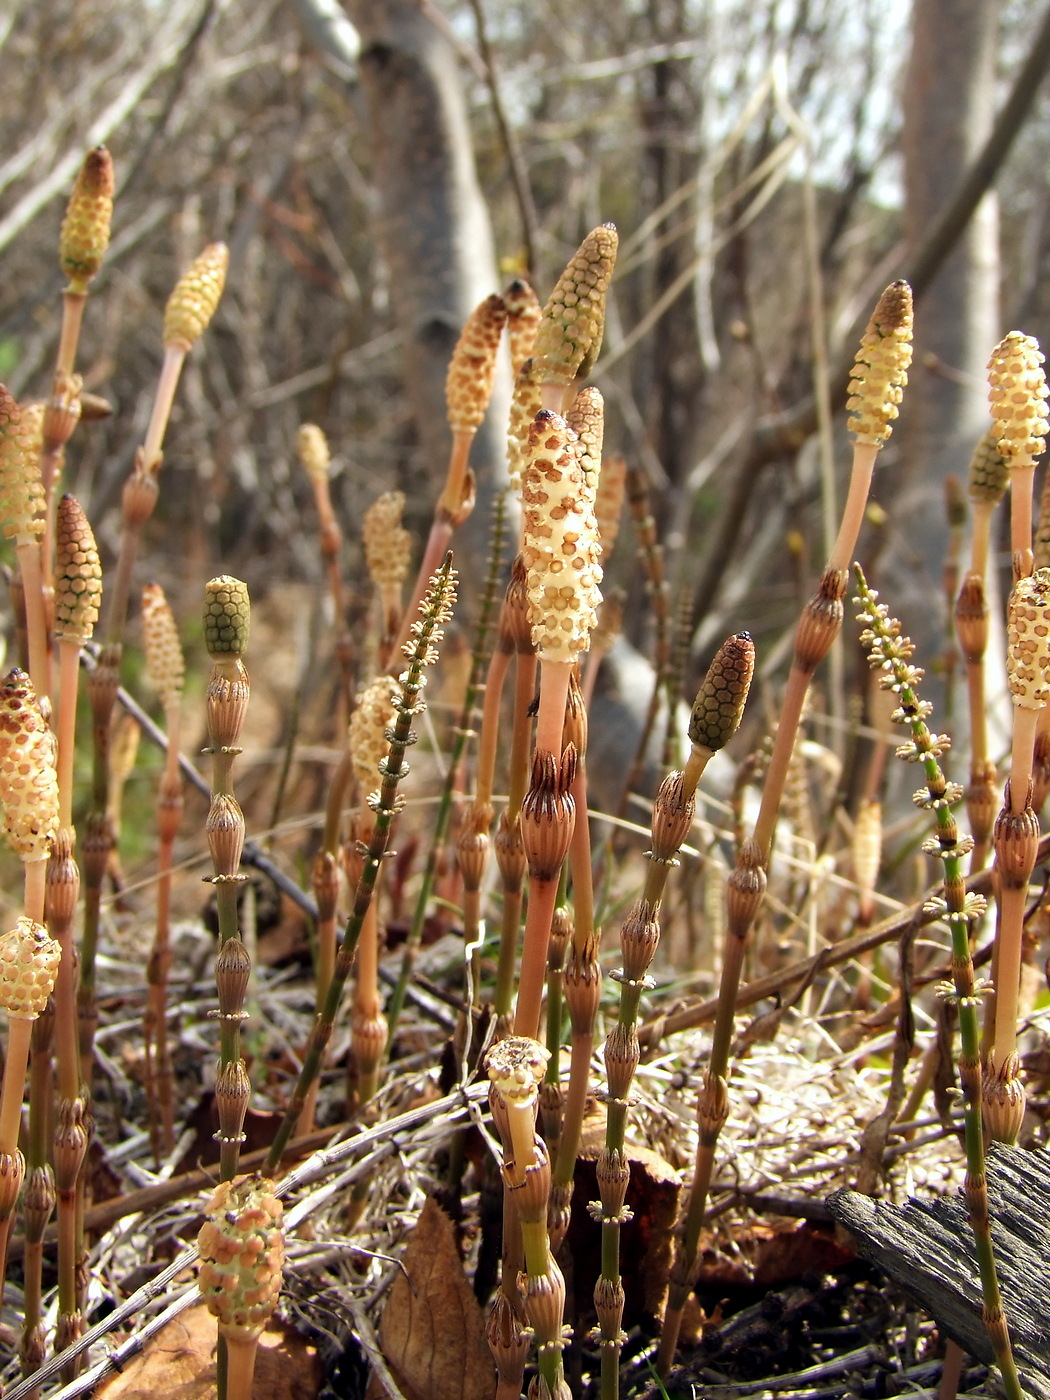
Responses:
[179,1364]
[433,1332]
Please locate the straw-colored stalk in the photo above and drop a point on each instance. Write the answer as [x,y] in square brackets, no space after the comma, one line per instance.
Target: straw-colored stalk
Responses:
[879,374]
[165,670]
[421,652]
[890,651]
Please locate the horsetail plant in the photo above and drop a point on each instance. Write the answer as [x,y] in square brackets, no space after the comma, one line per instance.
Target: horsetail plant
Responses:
[387,549]
[569,335]
[475,829]
[227,619]
[29,959]
[890,652]
[369,727]
[523,319]
[879,375]
[78,595]
[165,671]
[714,720]
[421,652]
[560,554]
[515,1067]
[314,454]
[468,389]
[82,246]
[241,1246]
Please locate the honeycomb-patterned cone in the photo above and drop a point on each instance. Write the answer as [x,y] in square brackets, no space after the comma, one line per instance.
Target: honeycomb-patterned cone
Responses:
[241,1247]
[516,1066]
[12,1174]
[582,985]
[1028,633]
[570,331]
[21,492]
[720,701]
[1017,394]
[586,417]
[388,546]
[28,781]
[312,446]
[523,319]
[672,818]
[971,618]
[1003,1101]
[372,717]
[468,384]
[192,304]
[84,238]
[561,546]
[165,665]
[526,401]
[608,503]
[880,368]
[621,1059]
[227,617]
[78,574]
[29,959]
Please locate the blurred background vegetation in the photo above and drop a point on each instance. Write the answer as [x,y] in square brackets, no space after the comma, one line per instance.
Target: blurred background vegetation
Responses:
[770,166]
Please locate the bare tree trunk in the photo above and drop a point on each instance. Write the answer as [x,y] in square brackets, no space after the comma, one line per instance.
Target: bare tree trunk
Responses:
[948,112]
[433,225]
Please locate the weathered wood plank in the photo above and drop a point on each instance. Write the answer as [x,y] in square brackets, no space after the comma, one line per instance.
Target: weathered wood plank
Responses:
[927,1248]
